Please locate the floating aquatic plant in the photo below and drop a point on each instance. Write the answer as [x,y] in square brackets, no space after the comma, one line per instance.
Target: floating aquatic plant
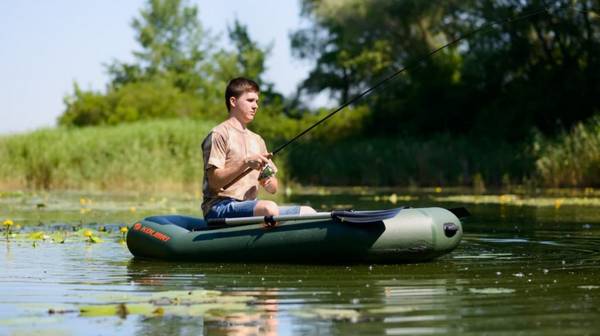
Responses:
[329,314]
[393,198]
[59,237]
[517,200]
[38,235]
[491,290]
[123,230]
[85,201]
[7,226]
[208,303]
[91,238]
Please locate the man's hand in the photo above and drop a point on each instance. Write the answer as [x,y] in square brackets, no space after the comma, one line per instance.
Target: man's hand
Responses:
[257,161]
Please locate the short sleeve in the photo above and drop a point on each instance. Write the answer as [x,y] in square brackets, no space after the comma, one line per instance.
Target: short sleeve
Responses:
[263,145]
[214,150]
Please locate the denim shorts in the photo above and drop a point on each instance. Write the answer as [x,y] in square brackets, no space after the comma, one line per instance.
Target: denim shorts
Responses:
[231,208]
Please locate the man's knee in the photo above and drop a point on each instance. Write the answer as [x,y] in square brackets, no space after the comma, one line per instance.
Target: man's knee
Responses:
[305,210]
[266,208]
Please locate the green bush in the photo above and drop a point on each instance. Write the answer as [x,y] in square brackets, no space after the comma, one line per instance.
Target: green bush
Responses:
[156,99]
[573,159]
[85,108]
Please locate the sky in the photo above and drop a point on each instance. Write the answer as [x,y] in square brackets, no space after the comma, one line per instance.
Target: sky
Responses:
[46,46]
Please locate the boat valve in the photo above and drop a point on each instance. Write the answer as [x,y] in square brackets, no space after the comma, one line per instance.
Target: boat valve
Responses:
[450,229]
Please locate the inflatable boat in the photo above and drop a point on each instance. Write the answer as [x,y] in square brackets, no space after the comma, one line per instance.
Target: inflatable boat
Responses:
[383,236]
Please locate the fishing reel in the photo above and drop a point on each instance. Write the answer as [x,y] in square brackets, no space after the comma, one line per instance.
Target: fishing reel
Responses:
[266,172]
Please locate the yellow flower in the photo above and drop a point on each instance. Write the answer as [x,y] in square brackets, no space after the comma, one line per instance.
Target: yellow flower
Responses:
[8,222]
[123,229]
[558,203]
[87,233]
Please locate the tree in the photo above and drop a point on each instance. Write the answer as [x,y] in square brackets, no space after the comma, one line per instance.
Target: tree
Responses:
[501,82]
[176,72]
[248,59]
[173,45]
[84,108]
[353,43]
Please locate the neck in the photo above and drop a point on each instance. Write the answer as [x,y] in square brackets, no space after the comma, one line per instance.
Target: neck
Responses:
[237,122]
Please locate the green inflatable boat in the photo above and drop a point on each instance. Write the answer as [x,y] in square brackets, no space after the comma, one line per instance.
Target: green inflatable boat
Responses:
[386,236]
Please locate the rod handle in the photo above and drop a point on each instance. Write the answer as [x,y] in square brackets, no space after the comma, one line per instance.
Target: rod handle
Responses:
[239,177]
[244,173]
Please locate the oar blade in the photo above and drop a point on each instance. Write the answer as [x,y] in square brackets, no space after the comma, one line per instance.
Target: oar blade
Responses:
[461,212]
[363,217]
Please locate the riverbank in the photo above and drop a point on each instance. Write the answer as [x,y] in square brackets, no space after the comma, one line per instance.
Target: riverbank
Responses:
[165,155]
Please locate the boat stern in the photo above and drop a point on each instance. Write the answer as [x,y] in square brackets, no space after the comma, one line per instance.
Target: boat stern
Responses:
[446,229]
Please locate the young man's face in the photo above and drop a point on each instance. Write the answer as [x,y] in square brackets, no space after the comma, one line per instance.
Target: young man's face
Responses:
[245,106]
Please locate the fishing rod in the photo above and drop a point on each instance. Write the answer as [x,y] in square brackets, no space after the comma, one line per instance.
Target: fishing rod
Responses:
[389,78]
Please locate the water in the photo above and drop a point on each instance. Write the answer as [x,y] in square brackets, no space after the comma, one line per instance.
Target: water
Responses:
[519,270]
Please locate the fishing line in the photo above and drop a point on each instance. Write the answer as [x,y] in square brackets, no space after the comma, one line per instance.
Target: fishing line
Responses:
[357,97]
[417,62]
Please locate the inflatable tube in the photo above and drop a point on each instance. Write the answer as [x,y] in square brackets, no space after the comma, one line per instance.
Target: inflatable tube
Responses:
[412,235]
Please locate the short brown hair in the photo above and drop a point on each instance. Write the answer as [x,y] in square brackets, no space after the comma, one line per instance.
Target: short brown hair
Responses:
[239,86]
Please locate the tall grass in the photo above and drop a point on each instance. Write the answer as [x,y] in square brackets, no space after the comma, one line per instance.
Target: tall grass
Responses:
[148,155]
[440,161]
[573,159]
[166,155]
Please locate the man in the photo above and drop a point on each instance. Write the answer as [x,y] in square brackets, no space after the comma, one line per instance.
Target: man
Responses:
[231,148]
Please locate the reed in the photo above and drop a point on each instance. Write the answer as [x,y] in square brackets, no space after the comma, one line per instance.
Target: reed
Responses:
[573,159]
[163,155]
[149,155]
[440,161]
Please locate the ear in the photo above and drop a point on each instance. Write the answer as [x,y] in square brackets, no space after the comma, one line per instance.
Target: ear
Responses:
[232,102]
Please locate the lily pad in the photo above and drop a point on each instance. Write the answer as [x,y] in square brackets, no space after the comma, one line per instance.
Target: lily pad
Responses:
[491,290]
[392,310]
[329,314]
[207,303]
[59,237]
[95,240]
[38,235]
[121,310]
[589,287]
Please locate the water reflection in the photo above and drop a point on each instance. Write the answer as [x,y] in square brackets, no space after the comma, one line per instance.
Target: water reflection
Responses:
[261,318]
[377,296]
[518,270]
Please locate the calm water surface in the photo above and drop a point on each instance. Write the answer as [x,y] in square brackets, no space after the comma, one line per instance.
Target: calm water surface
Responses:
[530,270]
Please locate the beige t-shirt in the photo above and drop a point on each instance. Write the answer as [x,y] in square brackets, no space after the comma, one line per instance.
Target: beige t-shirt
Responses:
[228,144]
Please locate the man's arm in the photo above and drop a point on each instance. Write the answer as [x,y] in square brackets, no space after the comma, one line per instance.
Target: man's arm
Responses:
[219,177]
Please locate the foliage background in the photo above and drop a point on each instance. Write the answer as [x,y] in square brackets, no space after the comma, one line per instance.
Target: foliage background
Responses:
[517,103]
